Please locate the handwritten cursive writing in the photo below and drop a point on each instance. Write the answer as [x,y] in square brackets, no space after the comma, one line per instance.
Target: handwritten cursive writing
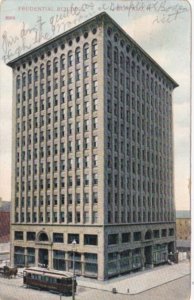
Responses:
[71,15]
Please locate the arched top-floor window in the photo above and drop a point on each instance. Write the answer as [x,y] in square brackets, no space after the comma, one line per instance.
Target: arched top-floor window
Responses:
[70,58]
[48,68]
[62,61]
[122,60]
[24,79]
[55,65]
[133,68]
[109,49]
[94,47]
[29,76]
[86,51]
[77,55]
[116,55]
[18,81]
[42,71]
[128,64]
[35,73]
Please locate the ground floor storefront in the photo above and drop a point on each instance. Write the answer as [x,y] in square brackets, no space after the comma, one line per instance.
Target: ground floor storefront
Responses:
[94,252]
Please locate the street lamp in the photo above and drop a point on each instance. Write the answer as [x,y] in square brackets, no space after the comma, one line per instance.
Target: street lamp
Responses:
[73,281]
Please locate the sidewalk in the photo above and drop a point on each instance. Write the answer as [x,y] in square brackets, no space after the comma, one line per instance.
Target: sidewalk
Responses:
[139,282]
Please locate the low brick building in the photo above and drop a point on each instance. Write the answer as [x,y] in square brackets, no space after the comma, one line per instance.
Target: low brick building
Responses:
[183,225]
[4,230]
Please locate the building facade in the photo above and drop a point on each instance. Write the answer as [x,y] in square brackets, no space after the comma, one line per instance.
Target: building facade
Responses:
[183,225]
[92,154]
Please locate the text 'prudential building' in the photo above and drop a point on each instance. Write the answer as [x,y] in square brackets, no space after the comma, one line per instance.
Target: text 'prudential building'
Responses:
[92,154]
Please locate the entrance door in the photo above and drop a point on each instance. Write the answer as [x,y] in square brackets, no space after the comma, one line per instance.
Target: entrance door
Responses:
[43,257]
[148,255]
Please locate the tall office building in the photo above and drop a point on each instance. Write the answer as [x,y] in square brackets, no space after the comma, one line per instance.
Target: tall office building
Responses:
[92,154]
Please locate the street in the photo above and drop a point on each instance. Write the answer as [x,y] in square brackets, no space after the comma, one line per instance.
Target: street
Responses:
[13,289]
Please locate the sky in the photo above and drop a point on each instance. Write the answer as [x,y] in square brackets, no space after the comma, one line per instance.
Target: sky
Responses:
[161,28]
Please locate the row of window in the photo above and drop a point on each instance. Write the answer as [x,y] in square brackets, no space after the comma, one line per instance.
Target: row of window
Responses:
[114,239]
[78,181]
[55,200]
[93,239]
[140,216]
[89,239]
[53,67]
[26,256]
[87,126]
[79,163]
[54,217]
[134,54]
[72,94]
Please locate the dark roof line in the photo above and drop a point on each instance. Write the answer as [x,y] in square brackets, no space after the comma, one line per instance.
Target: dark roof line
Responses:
[11,63]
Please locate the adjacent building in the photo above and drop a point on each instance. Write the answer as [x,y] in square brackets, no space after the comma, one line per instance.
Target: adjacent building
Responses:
[183,231]
[183,225]
[92,154]
[4,230]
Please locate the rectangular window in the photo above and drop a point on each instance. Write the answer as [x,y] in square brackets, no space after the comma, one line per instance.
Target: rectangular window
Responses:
[95,142]
[78,180]
[78,92]
[156,233]
[69,217]
[86,179]
[70,60]
[78,199]
[86,89]
[86,107]
[94,68]
[55,217]
[95,179]
[95,105]
[78,219]
[86,217]
[70,95]
[95,123]
[86,71]
[19,235]
[72,237]
[70,77]
[95,197]
[94,48]
[90,239]
[164,232]
[78,75]
[86,51]
[86,198]
[58,237]
[171,231]
[112,239]
[95,86]
[95,217]
[126,237]
[137,236]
